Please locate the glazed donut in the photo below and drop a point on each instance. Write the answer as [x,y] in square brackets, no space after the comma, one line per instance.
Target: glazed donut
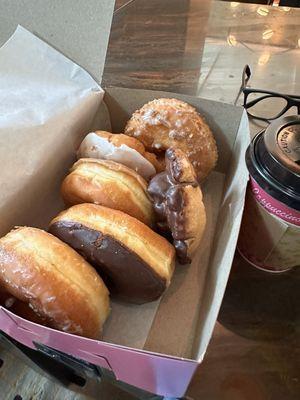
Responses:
[164,123]
[120,148]
[109,184]
[60,287]
[135,262]
[20,308]
[178,203]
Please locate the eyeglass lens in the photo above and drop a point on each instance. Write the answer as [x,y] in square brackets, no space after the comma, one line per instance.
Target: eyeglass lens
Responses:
[268,107]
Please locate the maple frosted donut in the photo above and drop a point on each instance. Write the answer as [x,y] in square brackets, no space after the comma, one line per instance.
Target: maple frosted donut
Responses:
[178,203]
[164,123]
[120,148]
[43,274]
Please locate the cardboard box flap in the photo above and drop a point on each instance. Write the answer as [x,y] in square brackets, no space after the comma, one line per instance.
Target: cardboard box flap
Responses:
[81,33]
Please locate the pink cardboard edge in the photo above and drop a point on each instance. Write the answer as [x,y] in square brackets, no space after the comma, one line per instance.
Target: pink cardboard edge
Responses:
[157,373]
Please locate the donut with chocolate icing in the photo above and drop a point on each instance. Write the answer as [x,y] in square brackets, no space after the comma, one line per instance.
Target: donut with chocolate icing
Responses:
[109,184]
[122,149]
[46,281]
[178,204]
[135,262]
[164,123]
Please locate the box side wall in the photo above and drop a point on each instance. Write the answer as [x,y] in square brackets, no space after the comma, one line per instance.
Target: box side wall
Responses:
[157,374]
[225,240]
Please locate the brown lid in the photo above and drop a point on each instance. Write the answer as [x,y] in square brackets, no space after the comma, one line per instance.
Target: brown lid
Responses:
[282,140]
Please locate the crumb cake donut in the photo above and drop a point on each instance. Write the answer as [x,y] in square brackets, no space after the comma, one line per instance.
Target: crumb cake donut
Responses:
[164,123]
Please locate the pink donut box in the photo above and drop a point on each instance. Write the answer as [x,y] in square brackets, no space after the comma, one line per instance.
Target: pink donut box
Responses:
[155,371]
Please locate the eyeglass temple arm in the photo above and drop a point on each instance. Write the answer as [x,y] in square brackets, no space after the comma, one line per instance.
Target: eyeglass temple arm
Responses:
[245,78]
[246,75]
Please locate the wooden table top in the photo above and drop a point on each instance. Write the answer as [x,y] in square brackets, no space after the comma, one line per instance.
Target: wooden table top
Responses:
[200,47]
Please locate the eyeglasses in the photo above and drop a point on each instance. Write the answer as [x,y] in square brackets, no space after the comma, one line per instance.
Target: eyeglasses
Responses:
[265,105]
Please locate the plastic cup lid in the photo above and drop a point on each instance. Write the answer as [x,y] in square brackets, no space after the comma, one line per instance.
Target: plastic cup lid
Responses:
[282,140]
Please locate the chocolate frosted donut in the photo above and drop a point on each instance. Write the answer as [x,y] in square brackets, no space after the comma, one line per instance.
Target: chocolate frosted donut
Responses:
[135,262]
[178,204]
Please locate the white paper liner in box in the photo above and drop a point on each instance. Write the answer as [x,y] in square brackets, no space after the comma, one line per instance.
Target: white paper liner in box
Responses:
[47,106]
[46,102]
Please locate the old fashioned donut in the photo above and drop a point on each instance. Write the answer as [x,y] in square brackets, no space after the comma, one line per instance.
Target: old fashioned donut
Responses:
[47,276]
[120,148]
[135,262]
[164,123]
[109,184]
[178,204]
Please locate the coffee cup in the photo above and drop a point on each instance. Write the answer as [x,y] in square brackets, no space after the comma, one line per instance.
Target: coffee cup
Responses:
[270,231]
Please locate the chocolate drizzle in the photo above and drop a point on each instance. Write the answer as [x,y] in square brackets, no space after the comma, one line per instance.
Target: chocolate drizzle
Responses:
[167,192]
[123,271]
